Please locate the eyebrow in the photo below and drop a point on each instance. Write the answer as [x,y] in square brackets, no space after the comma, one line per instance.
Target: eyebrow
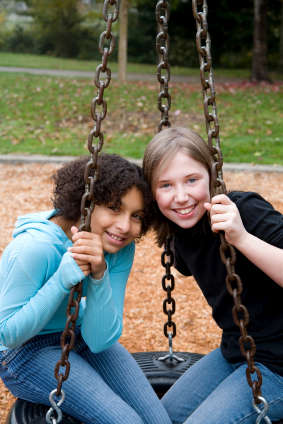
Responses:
[163,181]
[135,211]
[185,176]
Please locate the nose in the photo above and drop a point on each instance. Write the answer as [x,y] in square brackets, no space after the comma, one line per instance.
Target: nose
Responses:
[123,223]
[181,194]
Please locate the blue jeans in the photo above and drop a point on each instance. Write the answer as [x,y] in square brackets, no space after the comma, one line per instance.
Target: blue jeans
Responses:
[215,391]
[104,388]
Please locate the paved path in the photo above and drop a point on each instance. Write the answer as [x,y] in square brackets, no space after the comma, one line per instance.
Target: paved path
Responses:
[87,74]
[236,167]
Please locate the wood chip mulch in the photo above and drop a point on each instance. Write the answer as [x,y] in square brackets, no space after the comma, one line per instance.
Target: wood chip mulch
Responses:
[27,188]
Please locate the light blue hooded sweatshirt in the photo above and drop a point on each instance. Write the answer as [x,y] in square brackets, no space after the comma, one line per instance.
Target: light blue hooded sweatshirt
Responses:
[36,275]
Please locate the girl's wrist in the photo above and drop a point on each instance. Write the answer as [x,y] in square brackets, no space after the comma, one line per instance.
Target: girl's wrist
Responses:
[242,241]
[98,274]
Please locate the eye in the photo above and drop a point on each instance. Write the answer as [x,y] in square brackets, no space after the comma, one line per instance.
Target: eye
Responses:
[138,216]
[114,208]
[165,185]
[191,180]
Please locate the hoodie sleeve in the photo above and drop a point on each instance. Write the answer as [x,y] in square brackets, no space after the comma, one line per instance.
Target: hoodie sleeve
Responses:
[34,280]
[103,316]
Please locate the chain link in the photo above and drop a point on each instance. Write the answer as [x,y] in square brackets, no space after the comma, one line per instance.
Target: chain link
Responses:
[262,412]
[162,47]
[227,252]
[169,304]
[203,44]
[54,414]
[87,203]
[164,104]
[168,285]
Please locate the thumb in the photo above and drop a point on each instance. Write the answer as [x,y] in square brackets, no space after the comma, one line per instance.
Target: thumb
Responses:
[74,229]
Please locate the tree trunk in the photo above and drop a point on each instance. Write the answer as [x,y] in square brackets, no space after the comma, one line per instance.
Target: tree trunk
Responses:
[281,40]
[259,61]
[123,41]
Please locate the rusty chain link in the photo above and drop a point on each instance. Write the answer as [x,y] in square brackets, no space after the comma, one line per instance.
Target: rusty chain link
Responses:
[162,47]
[206,75]
[164,104]
[90,176]
[168,285]
[227,252]
[169,304]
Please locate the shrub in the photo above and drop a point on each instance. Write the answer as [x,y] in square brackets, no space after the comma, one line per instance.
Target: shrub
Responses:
[20,41]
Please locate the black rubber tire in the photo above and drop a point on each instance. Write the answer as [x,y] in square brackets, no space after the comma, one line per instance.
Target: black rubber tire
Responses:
[23,412]
[161,375]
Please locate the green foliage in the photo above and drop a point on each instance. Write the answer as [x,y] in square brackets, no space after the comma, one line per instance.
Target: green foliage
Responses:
[68,28]
[141,36]
[63,29]
[58,26]
[230,26]
[20,40]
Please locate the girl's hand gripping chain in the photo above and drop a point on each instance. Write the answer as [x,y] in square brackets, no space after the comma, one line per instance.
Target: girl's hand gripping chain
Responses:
[225,216]
[87,251]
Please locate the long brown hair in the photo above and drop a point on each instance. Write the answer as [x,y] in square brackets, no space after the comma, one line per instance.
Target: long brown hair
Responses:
[159,151]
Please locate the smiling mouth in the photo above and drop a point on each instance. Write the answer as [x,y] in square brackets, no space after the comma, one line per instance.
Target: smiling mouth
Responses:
[185,211]
[115,237]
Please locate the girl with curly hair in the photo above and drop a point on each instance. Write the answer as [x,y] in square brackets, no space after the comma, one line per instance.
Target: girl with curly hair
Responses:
[46,258]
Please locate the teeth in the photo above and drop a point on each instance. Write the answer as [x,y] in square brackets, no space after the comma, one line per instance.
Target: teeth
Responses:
[115,237]
[185,211]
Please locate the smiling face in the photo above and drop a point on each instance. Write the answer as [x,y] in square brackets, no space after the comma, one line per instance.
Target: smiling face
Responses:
[120,225]
[181,187]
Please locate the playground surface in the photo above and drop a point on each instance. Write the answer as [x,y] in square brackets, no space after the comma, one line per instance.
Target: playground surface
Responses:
[27,188]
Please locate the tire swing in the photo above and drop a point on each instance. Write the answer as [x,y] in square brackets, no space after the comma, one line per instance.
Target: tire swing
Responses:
[161,368]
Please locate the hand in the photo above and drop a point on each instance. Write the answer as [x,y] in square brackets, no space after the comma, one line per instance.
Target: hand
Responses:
[87,251]
[225,216]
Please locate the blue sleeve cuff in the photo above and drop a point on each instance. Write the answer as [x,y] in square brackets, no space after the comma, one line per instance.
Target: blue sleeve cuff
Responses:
[70,273]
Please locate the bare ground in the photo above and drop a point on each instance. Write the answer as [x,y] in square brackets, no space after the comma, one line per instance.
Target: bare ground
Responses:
[27,187]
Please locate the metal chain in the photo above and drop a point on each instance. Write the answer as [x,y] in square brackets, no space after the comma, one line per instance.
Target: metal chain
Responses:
[206,75]
[169,304]
[162,47]
[262,413]
[88,201]
[50,416]
[227,252]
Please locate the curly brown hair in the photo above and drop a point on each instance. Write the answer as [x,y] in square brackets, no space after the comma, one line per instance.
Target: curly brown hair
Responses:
[116,177]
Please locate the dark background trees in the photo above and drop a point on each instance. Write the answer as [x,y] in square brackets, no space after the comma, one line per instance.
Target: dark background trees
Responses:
[231,26]
[58,25]
[70,28]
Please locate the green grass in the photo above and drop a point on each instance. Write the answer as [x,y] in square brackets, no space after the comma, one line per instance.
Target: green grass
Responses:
[51,116]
